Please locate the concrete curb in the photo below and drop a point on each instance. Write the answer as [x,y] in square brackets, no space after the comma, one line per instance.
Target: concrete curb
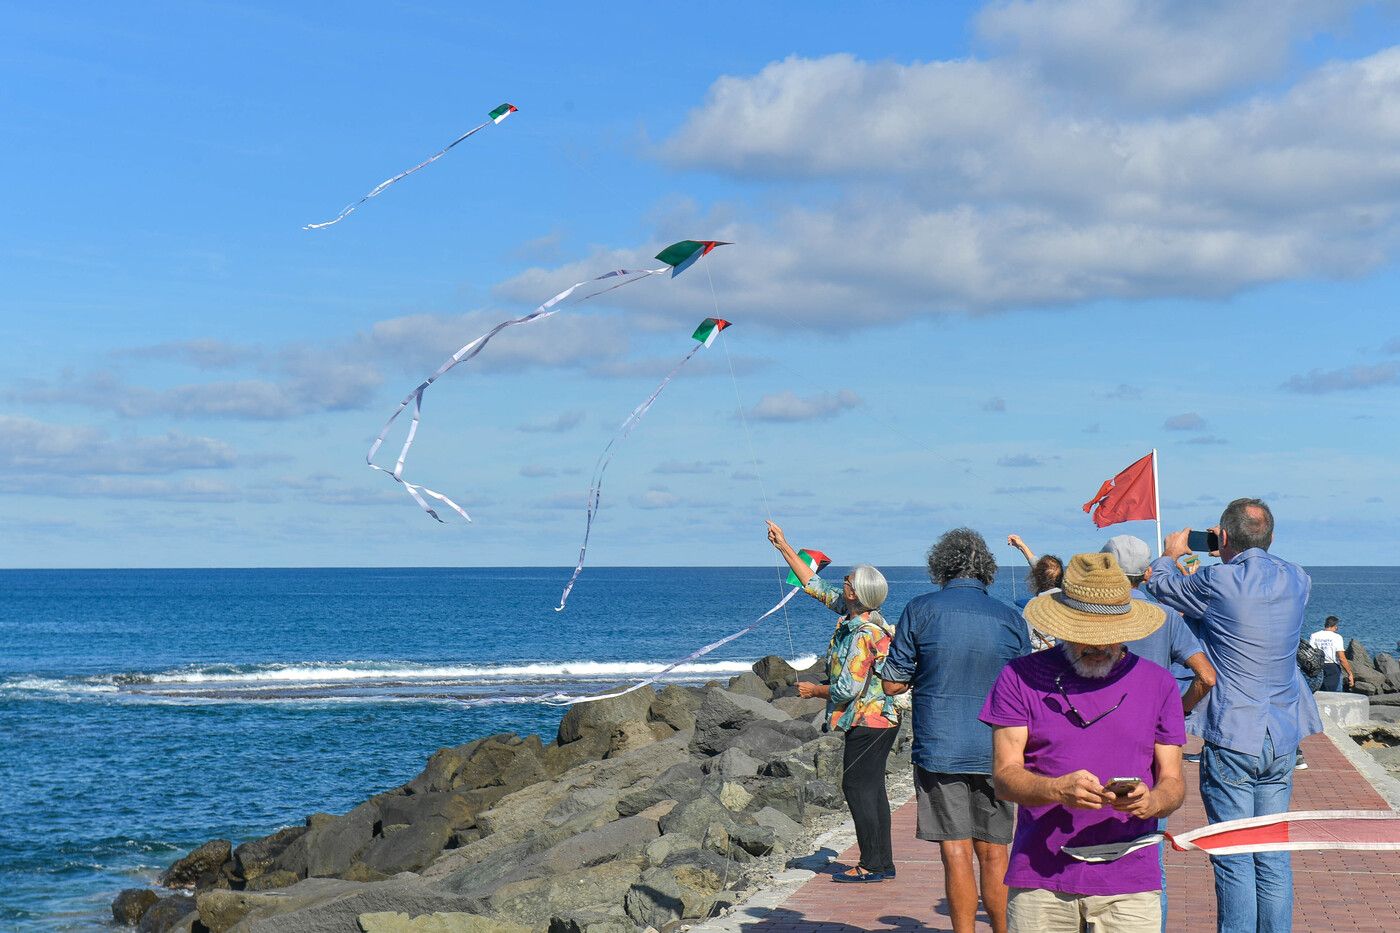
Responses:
[1385,785]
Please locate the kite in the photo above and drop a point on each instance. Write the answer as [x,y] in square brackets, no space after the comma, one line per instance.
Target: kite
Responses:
[494,117]
[686,251]
[814,559]
[1332,830]
[705,335]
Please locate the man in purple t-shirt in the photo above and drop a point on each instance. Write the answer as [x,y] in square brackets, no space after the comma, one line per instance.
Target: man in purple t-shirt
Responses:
[1067,723]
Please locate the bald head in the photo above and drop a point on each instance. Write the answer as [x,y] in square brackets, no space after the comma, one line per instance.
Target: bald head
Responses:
[1247,523]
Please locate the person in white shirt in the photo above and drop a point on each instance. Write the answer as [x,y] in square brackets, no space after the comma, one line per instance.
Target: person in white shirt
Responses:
[1334,658]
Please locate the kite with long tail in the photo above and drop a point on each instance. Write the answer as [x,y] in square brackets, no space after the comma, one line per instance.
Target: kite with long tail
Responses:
[705,334]
[677,257]
[1355,830]
[494,117]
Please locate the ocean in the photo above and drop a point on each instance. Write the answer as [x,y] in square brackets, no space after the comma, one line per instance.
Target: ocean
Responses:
[143,712]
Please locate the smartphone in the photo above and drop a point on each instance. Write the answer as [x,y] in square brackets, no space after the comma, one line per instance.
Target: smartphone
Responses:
[1203,541]
[1122,786]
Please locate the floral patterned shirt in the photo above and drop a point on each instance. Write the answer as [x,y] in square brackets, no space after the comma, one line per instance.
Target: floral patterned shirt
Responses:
[857,647]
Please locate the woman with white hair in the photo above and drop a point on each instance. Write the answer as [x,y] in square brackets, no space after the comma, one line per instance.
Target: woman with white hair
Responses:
[856,703]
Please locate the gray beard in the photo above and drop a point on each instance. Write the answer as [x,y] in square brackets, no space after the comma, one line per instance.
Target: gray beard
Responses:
[1093,668]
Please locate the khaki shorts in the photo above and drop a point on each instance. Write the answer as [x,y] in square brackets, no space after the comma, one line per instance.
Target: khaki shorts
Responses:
[1035,910]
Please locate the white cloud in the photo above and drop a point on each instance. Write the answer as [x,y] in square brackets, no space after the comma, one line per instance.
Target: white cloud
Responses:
[564,421]
[201,353]
[1151,53]
[39,448]
[1348,378]
[656,498]
[1189,421]
[788,406]
[420,342]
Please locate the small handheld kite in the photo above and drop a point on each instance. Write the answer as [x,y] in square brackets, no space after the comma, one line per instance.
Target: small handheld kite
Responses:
[814,559]
[682,254]
[495,116]
[706,333]
[1332,830]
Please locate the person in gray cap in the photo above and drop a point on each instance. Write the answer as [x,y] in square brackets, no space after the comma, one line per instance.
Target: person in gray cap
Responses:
[1173,646]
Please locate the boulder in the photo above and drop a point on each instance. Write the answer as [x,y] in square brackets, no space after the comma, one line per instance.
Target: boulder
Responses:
[801,707]
[330,844]
[682,890]
[667,847]
[325,904]
[750,684]
[733,762]
[443,766]
[457,809]
[631,736]
[723,714]
[676,706]
[1359,656]
[591,921]
[200,866]
[129,905]
[775,672]
[1385,699]
[678,783]
[277,878]
[1385,714]
[533,901]
[824,794]
[410,848]
[784,828]
[169,913]
[456,922]
[753,838]
[813,673]
[603,717]
[255,858]
[1365,689]
[561,758]
[733,796]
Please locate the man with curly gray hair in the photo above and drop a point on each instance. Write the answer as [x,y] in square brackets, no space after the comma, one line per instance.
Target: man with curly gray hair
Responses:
[949,647]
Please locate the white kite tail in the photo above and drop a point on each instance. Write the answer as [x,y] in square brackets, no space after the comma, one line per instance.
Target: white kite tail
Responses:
[350,208]
[595,491]
[560,699]
[464,355]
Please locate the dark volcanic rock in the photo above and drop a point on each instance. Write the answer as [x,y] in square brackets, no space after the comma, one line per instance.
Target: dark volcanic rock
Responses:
[1359,656]
[131,904]
[676,706]
[331,843]
[723,714]
[199,867]
[775,672]
[603,717]
[253,859]
[590,921]
[409,848]
[750,684]
[168,913]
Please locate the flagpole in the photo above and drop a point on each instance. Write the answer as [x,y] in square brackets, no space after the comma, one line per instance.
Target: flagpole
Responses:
[1157,501]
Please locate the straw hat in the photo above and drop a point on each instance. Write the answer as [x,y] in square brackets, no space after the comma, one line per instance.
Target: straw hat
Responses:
[1095,605]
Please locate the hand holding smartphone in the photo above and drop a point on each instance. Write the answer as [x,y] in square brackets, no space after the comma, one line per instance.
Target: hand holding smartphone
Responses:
[1205,542]
[1122,786]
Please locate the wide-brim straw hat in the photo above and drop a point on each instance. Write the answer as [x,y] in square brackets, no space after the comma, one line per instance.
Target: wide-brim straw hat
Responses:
[1095,605]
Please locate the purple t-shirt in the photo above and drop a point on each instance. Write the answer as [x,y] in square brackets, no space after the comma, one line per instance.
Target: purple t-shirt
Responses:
[1119,745]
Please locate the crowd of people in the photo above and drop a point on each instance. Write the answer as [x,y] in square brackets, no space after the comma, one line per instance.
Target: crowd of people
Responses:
[1061,721]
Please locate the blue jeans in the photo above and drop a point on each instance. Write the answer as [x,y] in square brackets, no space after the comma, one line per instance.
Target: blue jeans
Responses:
[1253,893]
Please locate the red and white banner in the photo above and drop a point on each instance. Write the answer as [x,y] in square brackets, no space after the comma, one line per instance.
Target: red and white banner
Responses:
[1327,830]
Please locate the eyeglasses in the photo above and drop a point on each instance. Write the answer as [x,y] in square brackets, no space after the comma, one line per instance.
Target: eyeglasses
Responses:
[1084,723]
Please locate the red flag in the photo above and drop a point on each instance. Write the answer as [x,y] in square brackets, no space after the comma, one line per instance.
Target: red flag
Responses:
[1129,496]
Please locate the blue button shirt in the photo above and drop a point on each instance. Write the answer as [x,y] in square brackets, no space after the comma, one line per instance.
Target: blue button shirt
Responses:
[950,646]
[1171,644]
[1251,612]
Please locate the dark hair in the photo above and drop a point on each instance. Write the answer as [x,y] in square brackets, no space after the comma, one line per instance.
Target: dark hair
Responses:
[1247,523]
[961,552]
[1045,574]
[1331,622]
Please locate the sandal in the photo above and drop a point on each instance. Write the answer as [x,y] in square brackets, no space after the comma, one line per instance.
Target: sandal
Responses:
[858,875]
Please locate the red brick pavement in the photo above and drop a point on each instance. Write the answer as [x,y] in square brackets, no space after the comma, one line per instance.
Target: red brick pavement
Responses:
[1332,890]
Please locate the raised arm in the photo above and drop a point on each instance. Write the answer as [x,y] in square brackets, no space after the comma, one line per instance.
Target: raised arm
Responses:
[1015,541]
[801,570]
[1187,594]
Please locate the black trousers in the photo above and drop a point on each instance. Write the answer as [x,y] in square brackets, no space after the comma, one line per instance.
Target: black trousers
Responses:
[863,783]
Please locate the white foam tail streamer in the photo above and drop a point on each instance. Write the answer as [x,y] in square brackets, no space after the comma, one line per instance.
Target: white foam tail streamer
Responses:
[595,490]
[464,355]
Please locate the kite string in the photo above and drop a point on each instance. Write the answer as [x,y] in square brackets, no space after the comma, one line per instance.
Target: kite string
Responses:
[753,455]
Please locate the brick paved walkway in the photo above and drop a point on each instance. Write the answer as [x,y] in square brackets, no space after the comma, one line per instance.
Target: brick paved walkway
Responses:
[1334,891]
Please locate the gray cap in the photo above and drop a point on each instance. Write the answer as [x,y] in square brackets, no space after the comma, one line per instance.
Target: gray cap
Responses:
[1132,553]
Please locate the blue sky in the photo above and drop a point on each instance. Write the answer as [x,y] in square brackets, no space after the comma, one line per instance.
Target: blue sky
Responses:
[986,255]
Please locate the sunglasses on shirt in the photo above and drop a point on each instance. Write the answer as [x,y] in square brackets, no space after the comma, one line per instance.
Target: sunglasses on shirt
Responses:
[1081,721]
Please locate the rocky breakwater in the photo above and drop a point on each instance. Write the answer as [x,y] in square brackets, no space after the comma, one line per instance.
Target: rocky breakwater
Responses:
[646,810]
[1378,678]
